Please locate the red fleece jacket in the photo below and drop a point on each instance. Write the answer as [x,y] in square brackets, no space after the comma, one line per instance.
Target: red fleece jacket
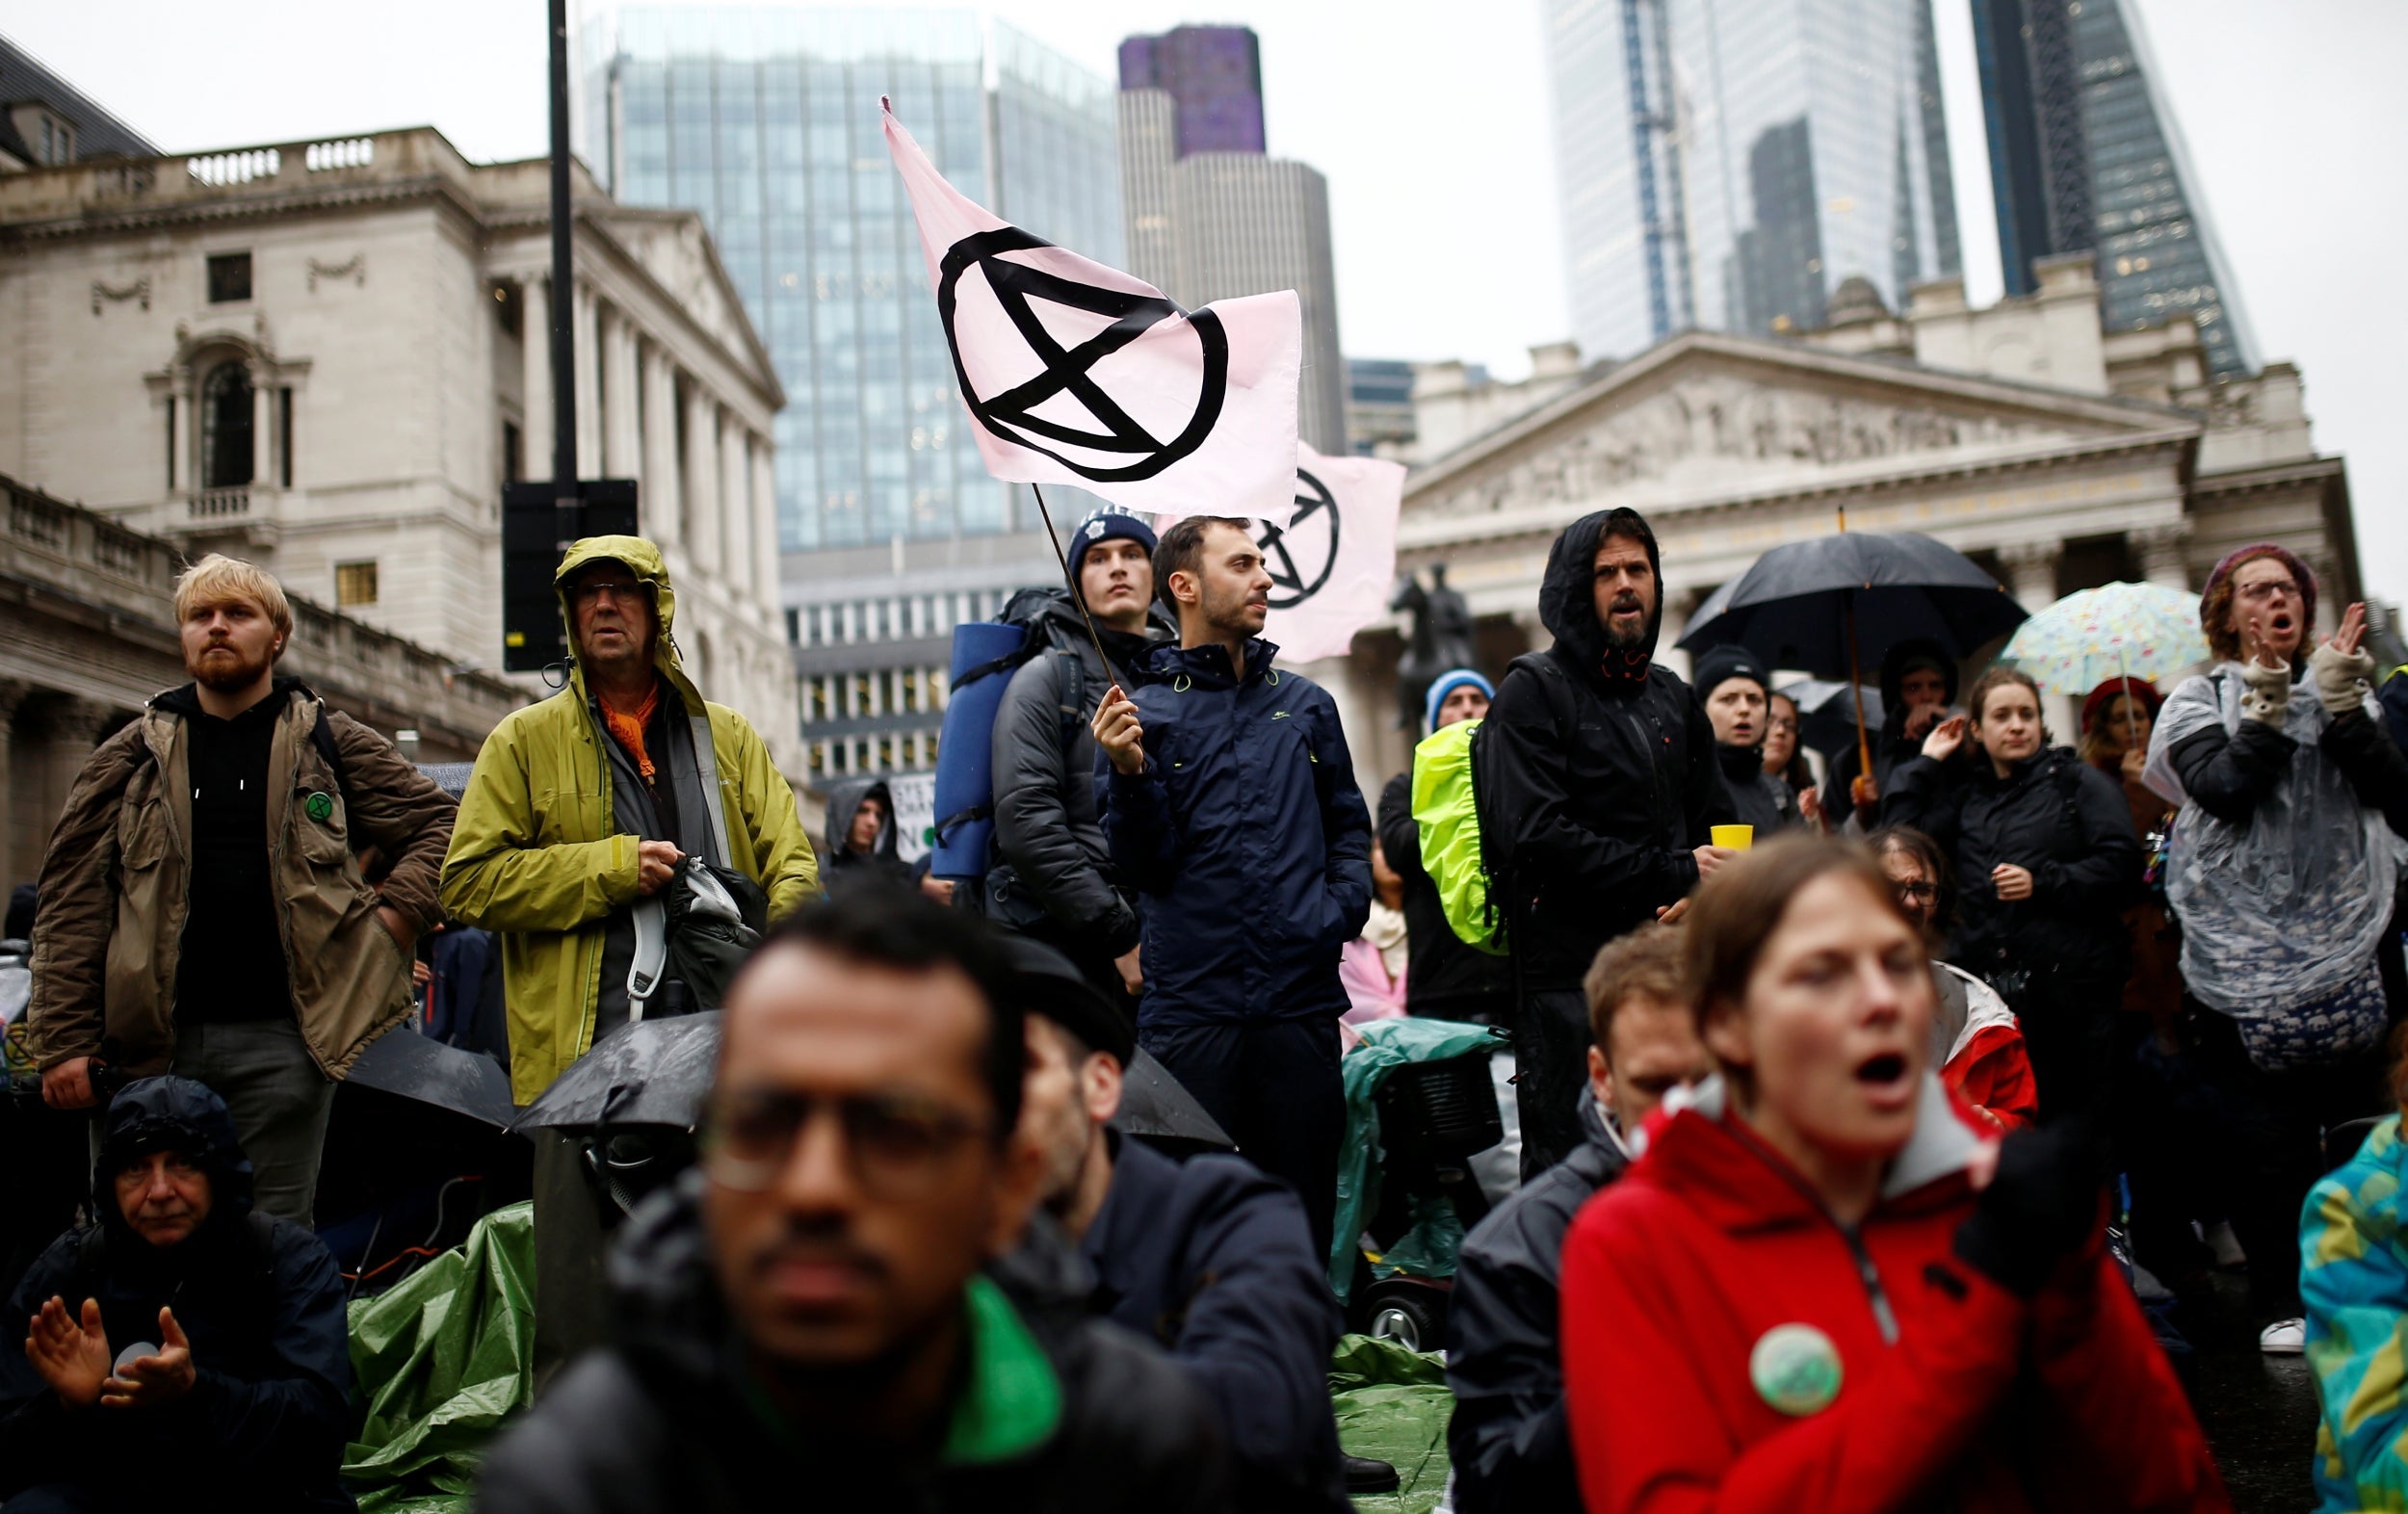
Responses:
[1973,1399]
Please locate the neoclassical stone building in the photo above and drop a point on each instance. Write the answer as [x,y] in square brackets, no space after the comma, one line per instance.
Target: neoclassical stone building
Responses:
[2061,456]
[329,356]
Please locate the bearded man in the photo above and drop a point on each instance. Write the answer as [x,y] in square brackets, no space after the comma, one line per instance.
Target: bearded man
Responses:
[203,910]
[1597,771]
[1229,801]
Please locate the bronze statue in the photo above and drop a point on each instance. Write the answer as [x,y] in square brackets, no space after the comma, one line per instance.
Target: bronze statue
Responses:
[1441,639]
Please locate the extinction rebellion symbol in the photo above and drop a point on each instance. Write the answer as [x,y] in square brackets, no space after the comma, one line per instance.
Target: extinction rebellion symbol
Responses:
[1071,370]
[1299,557]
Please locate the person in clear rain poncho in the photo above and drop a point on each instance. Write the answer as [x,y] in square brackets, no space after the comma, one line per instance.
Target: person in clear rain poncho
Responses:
[2279,871]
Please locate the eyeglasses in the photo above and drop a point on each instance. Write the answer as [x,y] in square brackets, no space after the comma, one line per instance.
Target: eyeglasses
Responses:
[1917,893]
[1781,722]
[2269,589]
[894,1145]
[587,591]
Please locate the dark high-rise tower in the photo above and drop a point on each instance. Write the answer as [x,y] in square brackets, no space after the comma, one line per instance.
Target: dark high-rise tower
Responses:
[1213,74]
[2084,157]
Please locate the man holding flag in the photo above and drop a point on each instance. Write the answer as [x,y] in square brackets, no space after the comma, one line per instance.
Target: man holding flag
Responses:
[1229,800]
[1225,791]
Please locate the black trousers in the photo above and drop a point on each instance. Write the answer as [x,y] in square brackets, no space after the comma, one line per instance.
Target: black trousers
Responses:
[1550,1075]
[2069,1030]
[2267,1141]
[1273,1086]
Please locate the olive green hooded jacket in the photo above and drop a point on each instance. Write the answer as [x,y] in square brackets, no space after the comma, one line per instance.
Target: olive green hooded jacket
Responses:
[538,858]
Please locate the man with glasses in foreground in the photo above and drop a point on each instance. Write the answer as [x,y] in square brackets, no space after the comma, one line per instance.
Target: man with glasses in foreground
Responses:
[580,806]
[805,1318]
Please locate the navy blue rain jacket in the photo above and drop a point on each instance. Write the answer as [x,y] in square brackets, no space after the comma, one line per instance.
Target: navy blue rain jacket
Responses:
[1212,1261]
[261,1301]
[1245,835]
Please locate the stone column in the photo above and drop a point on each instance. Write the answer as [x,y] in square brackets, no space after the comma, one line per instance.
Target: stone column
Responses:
[764,526]
[622,441]
[2031,572]
[262,425]
[187,477]
[737,537]
[2331,599]
[13,869]
[534,404]
[589,396]
[702,483]
[662,489]
[2159,549]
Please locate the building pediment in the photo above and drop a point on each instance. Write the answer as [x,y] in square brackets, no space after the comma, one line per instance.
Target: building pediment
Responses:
[1705,418]
[674,249]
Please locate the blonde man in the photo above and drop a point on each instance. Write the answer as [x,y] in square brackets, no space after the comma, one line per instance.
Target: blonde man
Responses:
[203,905]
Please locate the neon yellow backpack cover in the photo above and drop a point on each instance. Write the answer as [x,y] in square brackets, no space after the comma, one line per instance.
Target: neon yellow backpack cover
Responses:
[1448,812]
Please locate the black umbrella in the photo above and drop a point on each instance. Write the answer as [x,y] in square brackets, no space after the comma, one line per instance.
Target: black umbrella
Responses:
[651,1071]
[1826,713]
[1154,1106]
[419,1067]
[1830,605]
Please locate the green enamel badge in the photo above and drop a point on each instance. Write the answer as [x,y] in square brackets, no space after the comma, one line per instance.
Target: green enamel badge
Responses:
[1796,1369]
[319,807]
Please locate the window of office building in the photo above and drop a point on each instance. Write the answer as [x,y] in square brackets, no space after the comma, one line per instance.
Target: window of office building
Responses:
[355,584]
[229,277]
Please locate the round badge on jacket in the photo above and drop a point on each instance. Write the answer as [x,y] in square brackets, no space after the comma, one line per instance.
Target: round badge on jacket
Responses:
[318,807]
[1796,1369]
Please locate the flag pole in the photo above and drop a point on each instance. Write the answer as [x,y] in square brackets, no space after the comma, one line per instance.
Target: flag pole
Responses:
[1855,673]
[1076,597]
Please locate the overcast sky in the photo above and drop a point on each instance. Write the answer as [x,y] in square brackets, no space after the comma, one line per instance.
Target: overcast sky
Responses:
[1432,124]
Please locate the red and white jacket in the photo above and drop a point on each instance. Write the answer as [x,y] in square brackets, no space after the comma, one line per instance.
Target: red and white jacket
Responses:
[1951,1390]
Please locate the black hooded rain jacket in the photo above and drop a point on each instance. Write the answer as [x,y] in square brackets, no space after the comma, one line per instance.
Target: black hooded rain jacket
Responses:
[261,1303]
[1595,781]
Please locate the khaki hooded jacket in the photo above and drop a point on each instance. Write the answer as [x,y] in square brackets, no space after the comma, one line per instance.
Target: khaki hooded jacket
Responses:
[537,856]
[116,887]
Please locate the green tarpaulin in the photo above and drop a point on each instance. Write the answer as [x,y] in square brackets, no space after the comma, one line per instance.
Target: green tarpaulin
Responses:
[445,1356]
[1388,1045]
[1393,1406]
[441,1360]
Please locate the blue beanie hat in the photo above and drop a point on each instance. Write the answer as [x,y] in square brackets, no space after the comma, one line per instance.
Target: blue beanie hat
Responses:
[1447,683]
[1107,525]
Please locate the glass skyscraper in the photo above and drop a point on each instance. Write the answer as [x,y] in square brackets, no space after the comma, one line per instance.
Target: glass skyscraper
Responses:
[2084,157]
[766,121]
[1724,164]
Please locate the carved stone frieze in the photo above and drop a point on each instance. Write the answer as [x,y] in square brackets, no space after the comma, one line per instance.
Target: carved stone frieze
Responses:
[353,268]
[139,289]
[1721,424]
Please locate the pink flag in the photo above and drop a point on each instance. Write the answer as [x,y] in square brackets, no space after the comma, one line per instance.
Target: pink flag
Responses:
[1078,374]
[1332,567]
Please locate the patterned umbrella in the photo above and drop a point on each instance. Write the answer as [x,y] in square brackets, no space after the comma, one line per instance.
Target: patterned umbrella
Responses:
[2114,631]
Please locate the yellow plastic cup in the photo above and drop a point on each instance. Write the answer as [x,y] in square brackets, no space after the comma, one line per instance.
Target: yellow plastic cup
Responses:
[1735,838]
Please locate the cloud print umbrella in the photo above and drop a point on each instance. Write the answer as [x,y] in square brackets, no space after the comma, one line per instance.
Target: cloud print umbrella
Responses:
[1832,604]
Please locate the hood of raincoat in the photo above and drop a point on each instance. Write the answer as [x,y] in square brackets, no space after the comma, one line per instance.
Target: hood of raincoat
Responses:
[644,560]
[171,1114]
[1567,595]
[1913,652]
[844,798]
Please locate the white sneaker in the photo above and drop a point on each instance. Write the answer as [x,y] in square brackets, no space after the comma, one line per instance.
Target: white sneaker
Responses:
[2225,1246]
[2284,1337]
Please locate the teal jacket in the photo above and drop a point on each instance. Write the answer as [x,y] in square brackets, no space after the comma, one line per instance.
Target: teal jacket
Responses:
[2353,1276]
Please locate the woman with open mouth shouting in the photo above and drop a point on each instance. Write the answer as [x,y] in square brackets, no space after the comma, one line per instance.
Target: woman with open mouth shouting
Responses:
[2281,871]
[1823,1286]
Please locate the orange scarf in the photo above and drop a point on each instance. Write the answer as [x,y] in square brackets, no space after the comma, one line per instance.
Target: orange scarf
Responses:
[627,727]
